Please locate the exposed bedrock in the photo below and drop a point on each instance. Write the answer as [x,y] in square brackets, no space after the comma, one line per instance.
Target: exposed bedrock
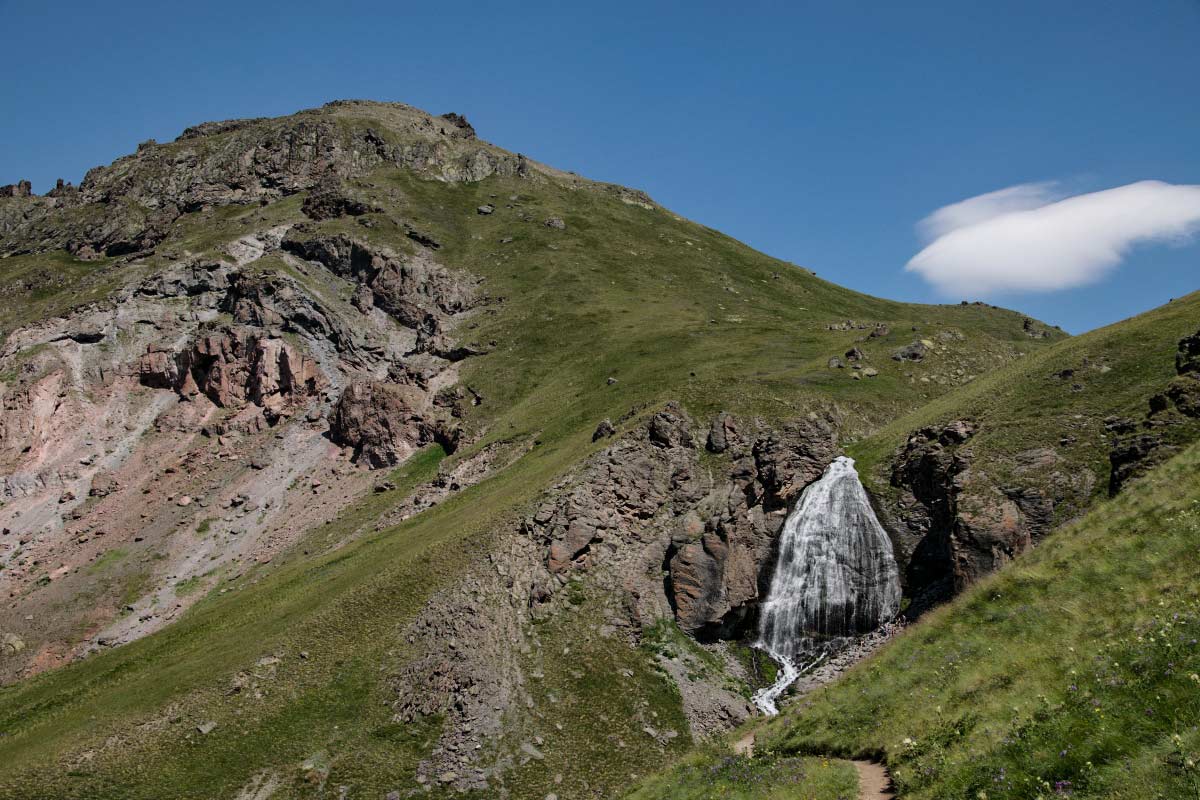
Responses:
[233,366]
[407,287]
[713,534]
[127,207]
[651,533]
[385,422]
[139,424]
[1170,422]
[952,522]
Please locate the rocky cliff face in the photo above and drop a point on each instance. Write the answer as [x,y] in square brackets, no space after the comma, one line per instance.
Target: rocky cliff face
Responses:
[1173,418]
[156,438]
[713,534]
[651,532]
[955,522]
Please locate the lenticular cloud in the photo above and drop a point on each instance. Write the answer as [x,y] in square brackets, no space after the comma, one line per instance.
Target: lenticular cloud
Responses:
[1025,238]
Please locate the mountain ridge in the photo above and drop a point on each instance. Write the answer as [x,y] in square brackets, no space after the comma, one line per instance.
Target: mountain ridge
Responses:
[347,403]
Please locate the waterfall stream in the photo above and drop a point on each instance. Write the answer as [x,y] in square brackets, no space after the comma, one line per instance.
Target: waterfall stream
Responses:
[835,578]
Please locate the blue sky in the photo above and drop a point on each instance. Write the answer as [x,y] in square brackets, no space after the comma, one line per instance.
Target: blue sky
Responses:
[822,133]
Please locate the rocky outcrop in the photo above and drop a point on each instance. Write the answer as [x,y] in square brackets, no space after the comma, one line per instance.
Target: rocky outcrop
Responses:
[330,200]
[1187,359]
[417,291]
[128,206]
[21,188]
[233,366]
[916,351]
[715,535]
[1173,420]
[953,522]
[722,433]
[385,422]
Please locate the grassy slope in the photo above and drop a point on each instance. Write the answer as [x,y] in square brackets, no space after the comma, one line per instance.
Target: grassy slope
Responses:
[1073,672]
[625,291]
[714,774]
[1025,405]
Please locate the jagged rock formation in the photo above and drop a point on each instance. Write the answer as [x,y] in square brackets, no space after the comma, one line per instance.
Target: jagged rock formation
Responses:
[1136,447]
[234,366]
[108,400]
[641,504]
[719,536]
[953,523]
[21,188]
[127,207]
[384,422]
[417,291]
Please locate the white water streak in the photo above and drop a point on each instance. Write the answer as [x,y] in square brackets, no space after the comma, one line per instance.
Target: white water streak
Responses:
[835,578]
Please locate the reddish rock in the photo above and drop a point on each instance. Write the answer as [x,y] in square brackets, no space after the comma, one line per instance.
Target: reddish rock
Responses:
[234,367]
[383,422]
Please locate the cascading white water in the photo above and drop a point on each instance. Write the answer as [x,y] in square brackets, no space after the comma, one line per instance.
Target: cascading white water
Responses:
[835,578]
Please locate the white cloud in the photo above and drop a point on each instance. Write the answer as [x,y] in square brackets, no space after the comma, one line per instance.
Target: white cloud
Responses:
[983,207]
[1026,239]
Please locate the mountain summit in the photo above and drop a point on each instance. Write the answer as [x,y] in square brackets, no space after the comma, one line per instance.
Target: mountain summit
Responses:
[346,454]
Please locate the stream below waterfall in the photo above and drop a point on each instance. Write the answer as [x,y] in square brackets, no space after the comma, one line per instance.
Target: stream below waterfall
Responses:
[835,579]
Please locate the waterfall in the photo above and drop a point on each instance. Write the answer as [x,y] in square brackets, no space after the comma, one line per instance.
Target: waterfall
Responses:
[835,578]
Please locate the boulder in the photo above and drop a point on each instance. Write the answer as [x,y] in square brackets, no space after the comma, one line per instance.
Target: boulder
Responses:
[669,428]
[383,422]
[11,644]
[911,352]
[697,572]
[722,433]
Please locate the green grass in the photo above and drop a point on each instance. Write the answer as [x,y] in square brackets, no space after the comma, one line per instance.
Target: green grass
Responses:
[1027,405]
[107,560]
[34,287]
[716,774]
[1074,672]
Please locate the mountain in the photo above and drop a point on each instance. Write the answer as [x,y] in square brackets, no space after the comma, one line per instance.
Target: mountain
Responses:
[347,450]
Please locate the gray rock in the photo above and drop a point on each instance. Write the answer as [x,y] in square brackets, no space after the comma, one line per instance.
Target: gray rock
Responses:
[720,432]
[1187,360]
[603,430]
[485,209]
[911,352]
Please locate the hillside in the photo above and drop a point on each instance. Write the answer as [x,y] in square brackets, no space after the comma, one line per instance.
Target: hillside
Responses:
[1071,672]
[346,449]
[976,476]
